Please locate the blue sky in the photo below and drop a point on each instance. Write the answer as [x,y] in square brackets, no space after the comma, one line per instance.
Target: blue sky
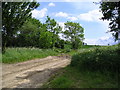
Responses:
[85,13]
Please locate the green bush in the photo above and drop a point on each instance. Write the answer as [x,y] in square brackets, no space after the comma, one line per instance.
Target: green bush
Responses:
[98,59]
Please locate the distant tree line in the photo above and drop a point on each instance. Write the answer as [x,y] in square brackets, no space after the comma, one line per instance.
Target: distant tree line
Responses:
[33,33]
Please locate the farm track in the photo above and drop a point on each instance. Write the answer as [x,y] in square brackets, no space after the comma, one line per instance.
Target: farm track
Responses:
[33,73]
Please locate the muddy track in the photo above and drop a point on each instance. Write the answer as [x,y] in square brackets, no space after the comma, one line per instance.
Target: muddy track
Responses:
[33,73]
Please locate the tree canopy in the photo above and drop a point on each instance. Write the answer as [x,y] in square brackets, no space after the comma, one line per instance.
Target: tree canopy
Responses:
[53,27]
[111,12]
[74,33]
[14,14]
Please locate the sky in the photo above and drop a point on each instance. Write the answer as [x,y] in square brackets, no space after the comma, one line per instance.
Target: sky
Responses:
[86,13]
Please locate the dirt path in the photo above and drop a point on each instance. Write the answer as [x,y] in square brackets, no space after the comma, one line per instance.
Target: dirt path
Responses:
[33,73]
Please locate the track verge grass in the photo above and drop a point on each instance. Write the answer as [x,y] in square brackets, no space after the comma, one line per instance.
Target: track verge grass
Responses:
[14,55]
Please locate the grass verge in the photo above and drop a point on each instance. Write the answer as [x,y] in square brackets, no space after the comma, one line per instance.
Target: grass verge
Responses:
[14,55]
[71,77]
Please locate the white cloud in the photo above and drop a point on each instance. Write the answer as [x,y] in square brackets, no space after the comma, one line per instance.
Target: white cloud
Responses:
[93,15]
[39,13]
[105,40]
[73,18]
[51,4]
[61,14]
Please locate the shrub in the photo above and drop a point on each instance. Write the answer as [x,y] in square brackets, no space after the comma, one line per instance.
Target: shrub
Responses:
[99,59]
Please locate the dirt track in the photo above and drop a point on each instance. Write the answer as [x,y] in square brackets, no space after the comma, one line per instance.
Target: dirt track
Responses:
[33,73]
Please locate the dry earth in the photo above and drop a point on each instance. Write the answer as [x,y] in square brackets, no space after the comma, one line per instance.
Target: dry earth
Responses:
[33,73]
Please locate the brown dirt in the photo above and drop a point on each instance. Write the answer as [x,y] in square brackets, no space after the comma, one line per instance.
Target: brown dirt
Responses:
[32,73]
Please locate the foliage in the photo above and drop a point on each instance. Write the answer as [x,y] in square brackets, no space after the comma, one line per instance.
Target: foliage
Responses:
[36,34]
[14,14]
[29,33]
[111,12]
[14,55]
[98,59]
[60,43]
[53,27]
[74,33]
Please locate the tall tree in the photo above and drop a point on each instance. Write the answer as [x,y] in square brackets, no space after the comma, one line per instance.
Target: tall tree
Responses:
[53,27]
[29,33]
[74,33]
[111,12]
[14,14]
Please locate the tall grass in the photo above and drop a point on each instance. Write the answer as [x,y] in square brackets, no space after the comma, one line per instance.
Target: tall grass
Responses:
[13,55]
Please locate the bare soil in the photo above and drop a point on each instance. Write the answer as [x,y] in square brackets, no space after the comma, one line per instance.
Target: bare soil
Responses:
[32,73]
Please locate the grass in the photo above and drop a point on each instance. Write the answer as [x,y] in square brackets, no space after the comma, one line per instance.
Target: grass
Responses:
[96,67]
[14,55]
[91,67]
[71,77]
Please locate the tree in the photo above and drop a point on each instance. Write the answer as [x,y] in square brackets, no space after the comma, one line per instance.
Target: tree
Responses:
[111,12]
[53,27]
[29,33]
[36,34]
[74,33]
[14,14]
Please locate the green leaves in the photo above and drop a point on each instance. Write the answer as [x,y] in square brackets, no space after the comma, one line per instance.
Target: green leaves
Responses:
[14,14]
[74,33]
[36,34]
[111,12]
[53,27]
[98,59]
